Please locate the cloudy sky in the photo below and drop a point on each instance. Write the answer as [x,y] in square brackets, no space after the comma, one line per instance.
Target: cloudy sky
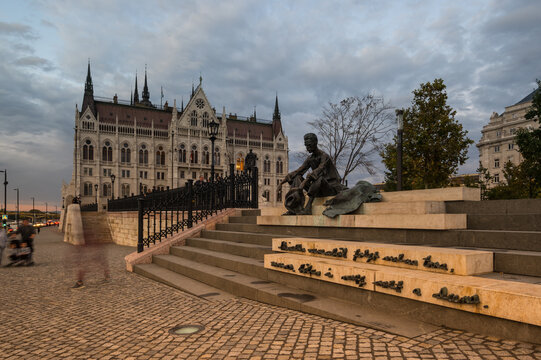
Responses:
[309,52]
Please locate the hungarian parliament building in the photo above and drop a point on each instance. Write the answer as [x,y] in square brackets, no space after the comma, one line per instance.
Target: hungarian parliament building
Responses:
[125,148]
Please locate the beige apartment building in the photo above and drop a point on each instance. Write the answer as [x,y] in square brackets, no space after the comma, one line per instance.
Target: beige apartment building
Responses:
[497,145]
[148,147]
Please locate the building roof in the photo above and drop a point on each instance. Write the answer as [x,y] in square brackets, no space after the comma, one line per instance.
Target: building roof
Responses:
[527,98]
[241,129]
[128,113]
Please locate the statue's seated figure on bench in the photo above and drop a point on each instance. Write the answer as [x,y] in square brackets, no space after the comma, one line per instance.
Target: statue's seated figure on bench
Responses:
[324,179]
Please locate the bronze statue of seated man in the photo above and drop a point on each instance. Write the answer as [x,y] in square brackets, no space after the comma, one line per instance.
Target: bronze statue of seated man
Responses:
[324,179]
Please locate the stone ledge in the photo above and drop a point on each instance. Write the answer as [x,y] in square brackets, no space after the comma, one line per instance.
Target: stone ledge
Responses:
[179,239]
[497,298]
[450,261]
[391,221]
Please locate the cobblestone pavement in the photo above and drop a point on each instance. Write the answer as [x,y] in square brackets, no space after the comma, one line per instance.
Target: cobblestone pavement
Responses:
[129,317]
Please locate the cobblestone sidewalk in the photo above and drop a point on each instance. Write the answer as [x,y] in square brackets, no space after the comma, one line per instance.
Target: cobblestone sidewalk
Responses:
[129,317]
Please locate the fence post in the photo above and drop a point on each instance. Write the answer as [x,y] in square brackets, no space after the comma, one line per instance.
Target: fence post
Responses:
[140,225]
[255,190]
[189,185]
[232,184]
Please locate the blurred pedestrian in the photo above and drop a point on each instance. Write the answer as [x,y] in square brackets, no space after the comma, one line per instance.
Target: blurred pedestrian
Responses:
[3,242]
[28,233]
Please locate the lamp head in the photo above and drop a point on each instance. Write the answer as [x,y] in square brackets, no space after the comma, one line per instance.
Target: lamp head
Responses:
[400,118]
[213,128]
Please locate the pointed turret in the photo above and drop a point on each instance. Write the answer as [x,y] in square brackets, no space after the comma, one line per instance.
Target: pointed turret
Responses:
[182,105]
[193,91]
[88,98]
[276,119]
[145,94]
[136,92]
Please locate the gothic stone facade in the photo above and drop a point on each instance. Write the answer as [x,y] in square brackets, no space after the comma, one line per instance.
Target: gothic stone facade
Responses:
[497,145]
[147,147]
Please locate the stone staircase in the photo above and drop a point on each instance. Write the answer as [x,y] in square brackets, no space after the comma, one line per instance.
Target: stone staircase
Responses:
[230,260]
[96,227]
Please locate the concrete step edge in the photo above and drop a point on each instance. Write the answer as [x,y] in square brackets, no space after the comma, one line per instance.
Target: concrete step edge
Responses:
[284,296]
[181,282]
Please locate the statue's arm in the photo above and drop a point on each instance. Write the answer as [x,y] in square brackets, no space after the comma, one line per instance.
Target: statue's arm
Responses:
[300,171]
[320,170]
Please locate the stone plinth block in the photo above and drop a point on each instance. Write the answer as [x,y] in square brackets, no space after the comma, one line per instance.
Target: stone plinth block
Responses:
[498,298]
[433,259]
[384,208]
[345,273]
[442,194]
[392,221]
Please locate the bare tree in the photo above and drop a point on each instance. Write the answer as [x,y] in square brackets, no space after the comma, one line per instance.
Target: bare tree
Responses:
[352,131]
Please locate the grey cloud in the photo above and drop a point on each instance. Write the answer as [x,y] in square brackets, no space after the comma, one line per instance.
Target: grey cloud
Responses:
[17,29]
[35,61]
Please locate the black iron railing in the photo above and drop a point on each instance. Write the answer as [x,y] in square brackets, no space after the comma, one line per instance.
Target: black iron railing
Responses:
[89,207]
[164,213]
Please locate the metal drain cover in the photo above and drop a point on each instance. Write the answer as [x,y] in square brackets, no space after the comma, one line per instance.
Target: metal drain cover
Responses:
[186,329]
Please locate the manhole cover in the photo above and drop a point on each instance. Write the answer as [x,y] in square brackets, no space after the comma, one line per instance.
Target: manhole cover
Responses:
[186,329]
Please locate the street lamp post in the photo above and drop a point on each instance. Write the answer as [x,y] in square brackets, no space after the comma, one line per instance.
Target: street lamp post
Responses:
[113,186]
[213,131]
[400,121]
[33,212]
[5,190]
[46,212]
[96,191]
[17,189]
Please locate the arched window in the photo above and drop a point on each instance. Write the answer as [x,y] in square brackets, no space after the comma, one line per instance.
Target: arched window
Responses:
[217,156]
[125,189]
[182,153]
[88,150]
[193,118]
[87,189]
[193,155]
[107,152]
[240,163]
[266,164]
[279,195]
[205,119]
[143,155]
[206,155]
[160,156]
[106,189]
[279,165]
[266,195]
[125,154]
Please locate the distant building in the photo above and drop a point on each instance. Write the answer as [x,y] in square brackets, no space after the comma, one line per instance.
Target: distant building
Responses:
[497,145]
[151,147]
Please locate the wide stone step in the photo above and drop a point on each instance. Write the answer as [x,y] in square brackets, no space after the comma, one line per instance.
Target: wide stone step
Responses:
[181,282]
[494,239]
[281,295]
[423,258]
[251,212]
[495,207]
[243,219]
[391,221]
[240,264]
[522,222]
[497,298]
[240,249]
[242,237]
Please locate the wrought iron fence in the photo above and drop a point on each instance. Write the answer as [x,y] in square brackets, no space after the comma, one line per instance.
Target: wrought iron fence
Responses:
[164,213]
[89,207]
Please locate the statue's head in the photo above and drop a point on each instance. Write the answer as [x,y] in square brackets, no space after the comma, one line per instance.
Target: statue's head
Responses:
[310,141]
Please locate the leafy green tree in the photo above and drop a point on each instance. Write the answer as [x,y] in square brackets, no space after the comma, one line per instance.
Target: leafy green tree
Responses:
[434,142]
[529,143]
[516,185]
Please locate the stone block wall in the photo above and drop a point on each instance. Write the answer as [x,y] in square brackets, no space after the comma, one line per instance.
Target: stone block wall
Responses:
[123,225]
